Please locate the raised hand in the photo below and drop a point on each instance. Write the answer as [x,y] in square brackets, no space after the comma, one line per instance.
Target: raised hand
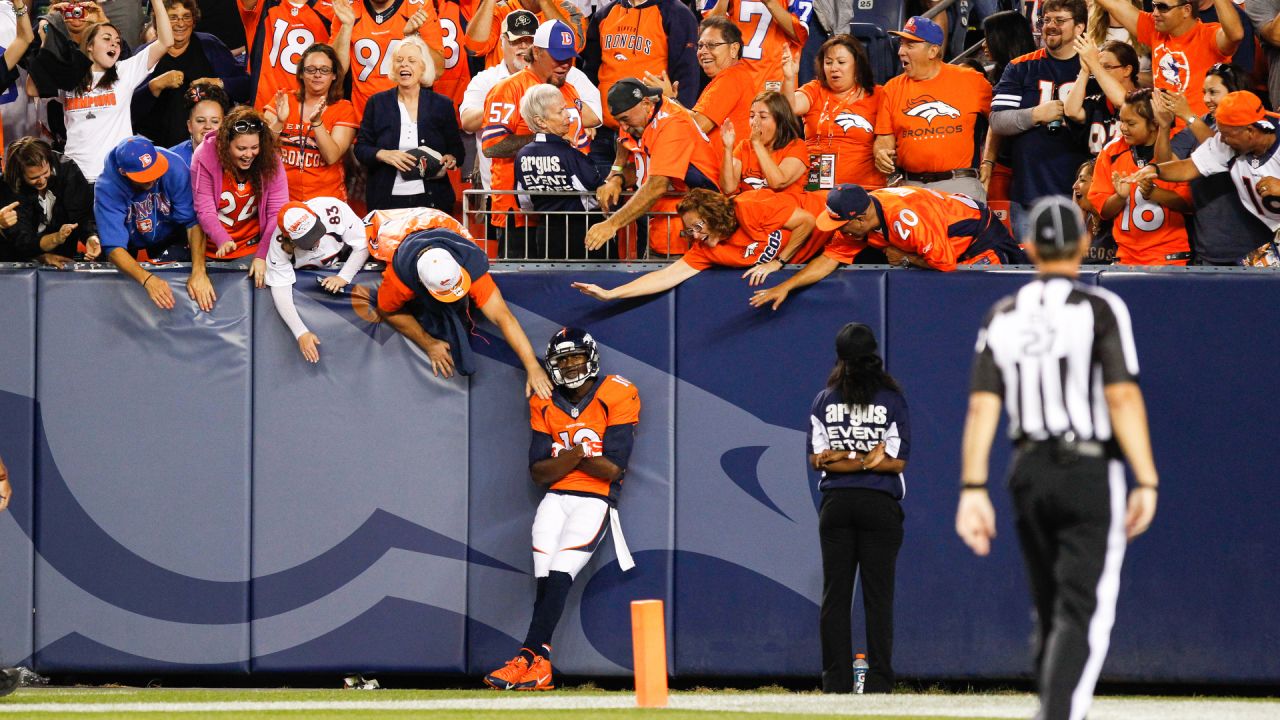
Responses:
[728,135]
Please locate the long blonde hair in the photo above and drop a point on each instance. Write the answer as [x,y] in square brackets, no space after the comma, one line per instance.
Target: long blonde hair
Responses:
[1100,24]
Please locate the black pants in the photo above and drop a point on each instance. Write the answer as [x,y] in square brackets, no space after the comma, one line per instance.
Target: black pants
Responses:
[860,530]
[1070,520]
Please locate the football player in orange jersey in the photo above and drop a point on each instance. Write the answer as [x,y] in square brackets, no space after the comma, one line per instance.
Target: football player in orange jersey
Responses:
[581,446]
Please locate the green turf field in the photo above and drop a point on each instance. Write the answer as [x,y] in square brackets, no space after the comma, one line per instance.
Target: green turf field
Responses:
[582,703]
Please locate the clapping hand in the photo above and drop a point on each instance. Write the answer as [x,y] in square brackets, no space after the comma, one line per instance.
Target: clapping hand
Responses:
[281,104]
[1124,185]
[728,135]
[669,89]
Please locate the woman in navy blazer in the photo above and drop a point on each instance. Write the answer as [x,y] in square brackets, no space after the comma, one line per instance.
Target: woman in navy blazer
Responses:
[405,117]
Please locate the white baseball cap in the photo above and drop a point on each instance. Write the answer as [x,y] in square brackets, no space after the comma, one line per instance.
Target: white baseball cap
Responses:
[300,224]
[446,280]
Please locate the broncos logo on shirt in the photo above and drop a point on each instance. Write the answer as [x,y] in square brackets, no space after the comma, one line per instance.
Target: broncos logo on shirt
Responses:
[929,108]
[847,120]
[755,182]
[1175,69]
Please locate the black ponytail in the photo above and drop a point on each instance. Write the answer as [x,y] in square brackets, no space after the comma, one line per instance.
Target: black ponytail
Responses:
[859,378]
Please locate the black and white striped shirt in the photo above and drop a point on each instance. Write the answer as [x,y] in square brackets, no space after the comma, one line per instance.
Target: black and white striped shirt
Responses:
[1048,351]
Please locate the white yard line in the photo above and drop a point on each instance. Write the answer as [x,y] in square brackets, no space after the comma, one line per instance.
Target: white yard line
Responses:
[955,706]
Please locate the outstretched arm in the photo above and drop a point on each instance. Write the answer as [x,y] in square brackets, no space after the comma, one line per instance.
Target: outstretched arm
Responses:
[648,284]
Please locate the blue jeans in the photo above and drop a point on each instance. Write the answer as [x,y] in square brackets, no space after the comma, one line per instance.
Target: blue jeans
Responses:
[1019,223]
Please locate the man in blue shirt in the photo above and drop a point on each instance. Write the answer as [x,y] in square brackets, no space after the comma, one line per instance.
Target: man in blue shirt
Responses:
[1027,108]
[143,201]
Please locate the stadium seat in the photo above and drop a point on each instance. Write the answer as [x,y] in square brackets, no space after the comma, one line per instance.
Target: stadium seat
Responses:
[881,48]
[871,25]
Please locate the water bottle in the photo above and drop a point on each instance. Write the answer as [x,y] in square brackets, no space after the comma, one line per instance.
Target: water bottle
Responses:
[860,667]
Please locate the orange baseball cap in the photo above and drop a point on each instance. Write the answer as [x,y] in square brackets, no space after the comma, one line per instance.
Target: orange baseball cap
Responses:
[1242,108]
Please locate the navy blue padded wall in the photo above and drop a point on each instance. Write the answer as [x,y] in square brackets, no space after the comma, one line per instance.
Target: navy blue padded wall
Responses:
[635,339]
[359,495]
[143,465]
[748,570]
[17,433]
[1198,583]
[958,615]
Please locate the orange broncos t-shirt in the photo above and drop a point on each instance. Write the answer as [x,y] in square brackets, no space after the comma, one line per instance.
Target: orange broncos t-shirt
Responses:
[1178,64]
[373,45]
[305,169]
[759,237]
[753,175]
[933,122]
[728,97]
[844,128]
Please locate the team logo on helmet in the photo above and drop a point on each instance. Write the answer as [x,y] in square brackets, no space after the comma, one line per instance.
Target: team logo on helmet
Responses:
[928,108]
[847,120]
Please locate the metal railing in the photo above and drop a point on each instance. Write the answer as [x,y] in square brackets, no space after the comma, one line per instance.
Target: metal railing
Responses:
[533,235]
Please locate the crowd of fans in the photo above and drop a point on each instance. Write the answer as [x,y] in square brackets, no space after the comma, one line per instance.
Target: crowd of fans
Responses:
[726,132]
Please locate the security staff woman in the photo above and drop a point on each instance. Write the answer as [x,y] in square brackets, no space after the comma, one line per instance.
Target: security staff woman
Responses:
[1061,354]
[859,440]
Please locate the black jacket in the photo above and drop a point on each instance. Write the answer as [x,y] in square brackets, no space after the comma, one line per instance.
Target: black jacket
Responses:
[73,204]
[380,130]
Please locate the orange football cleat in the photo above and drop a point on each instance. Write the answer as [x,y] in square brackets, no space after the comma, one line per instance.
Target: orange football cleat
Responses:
[507,676]
[537,677]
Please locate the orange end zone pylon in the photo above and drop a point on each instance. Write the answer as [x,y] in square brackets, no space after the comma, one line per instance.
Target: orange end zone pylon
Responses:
[649,645]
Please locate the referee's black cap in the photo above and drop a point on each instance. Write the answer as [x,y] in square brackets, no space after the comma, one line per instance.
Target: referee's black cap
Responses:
[1057,226]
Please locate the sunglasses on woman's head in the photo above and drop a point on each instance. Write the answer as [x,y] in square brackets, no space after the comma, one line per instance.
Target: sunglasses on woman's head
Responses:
[246,126]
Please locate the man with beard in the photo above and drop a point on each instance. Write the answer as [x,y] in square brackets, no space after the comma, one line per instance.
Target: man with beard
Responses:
[505,131]
[1028,109]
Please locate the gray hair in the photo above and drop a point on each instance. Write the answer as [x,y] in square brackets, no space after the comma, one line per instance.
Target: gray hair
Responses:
[429,64]
[537,102]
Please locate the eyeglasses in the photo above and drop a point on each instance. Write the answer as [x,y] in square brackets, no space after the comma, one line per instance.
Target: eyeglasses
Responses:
[318,71]
[710,45]
[698,228]
[1165,7]
[244,127]
[1057,21]
[184,20]
[1111,67]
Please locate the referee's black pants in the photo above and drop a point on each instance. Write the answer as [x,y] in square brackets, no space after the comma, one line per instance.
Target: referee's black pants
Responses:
[858,529]
[1070,520]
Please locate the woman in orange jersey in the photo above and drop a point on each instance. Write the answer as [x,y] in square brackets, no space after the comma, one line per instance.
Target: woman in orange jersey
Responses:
[1149,227]
[314,127]
[238,185]
[774,157]
[839,111]
[744,231]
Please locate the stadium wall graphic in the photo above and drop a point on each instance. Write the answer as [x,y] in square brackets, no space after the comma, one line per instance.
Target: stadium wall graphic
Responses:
[192,496]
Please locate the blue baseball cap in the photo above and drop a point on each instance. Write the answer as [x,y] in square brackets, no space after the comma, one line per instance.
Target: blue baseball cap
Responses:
[557,39]
[844,203]
[137,159]
[921,29]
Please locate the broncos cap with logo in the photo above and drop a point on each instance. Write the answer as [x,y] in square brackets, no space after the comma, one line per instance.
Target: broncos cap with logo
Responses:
[557,39]
[137,159]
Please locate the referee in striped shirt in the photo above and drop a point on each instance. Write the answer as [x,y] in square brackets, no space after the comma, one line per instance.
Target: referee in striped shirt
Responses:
[1061,355]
